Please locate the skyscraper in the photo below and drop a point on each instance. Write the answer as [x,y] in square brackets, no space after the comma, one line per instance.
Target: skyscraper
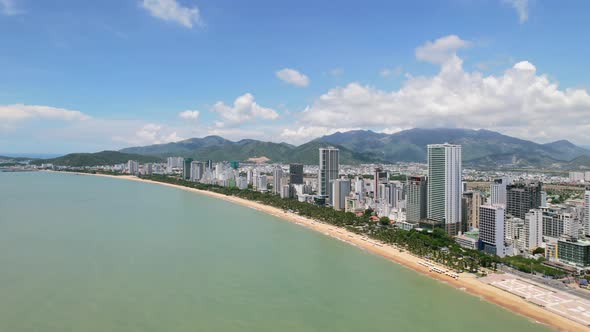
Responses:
[277,176]
[174,162]
[148,169]
[197,170]
[491,229]
[470,204]
[186,169]
[329,164]
[416,201]
[379,177]
[498,191]
[533,228]
[296,173]
[522,197]
[444,186]
[340,189]
[133,167]
[586,220]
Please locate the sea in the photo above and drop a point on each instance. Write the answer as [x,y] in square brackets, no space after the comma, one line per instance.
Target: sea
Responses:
[86,253]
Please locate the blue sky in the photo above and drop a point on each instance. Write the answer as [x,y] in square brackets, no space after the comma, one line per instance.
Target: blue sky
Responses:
[93,75]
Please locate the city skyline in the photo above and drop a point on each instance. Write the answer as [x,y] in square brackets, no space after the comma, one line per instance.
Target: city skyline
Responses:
[144,75]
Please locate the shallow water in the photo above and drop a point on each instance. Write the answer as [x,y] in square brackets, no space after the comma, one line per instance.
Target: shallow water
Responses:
[83,253]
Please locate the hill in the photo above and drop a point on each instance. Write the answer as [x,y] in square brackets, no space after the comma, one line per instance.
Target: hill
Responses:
[96,159]
[481,149]
[218,148]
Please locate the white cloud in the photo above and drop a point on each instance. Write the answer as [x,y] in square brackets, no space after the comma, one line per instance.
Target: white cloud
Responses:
[441,50]
[9,8]
[150,133]
[171,10]
[387,72]
[521,7]
[519,102]
[19,112]
[189,115]
[293,77]
[244,109]
[305,134]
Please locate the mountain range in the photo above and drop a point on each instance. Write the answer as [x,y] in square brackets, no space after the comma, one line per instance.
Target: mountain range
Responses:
[96,159]
[481,149]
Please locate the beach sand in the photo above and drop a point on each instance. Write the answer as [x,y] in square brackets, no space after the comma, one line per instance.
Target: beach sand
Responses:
[466,282]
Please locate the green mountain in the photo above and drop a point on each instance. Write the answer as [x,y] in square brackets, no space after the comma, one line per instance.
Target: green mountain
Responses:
[16,159]
[581,163]
[217,148]
[481,149]
[96,159]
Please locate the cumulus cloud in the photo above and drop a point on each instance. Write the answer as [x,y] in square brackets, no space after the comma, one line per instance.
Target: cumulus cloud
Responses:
[518,102]
[441,50]
[20,112]
[189,115]
[244,109]
[304,134]
[521,7]
[150,133]
[9,8]
[293,77]
[171,10]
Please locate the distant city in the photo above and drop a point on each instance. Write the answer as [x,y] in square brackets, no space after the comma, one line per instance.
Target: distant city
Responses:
[500,213]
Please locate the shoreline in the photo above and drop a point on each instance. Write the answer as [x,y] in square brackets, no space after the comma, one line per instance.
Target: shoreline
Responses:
[466,282]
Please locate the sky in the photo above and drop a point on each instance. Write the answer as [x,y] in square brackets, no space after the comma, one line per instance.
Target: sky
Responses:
[85,76]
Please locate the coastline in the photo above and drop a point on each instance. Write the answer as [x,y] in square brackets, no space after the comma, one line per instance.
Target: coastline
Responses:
[466,282]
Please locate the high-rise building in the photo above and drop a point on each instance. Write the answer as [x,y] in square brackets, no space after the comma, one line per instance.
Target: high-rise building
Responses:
[340,190]
[197,170]
[444,186]
[148,169]
[186,169]
[242,182]
[296,173]
[250,176]
[586,214]
[277,177]
[416,199]
[498,191]
[522,197]
[491,229]
[329,165]
[533,228]
[174,162]
[133,167]
[553,223]
[379,177]
[470,204]
[261,183]
[286,191]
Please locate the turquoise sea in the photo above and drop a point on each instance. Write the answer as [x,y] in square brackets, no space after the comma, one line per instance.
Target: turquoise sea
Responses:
[84,253]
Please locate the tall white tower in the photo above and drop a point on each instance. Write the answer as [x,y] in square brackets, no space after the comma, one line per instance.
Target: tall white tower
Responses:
[329,164]
[444,186]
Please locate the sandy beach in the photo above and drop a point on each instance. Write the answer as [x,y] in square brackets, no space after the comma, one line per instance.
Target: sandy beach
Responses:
[466,282]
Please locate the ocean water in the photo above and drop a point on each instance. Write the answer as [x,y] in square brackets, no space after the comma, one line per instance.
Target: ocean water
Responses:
[83,253]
